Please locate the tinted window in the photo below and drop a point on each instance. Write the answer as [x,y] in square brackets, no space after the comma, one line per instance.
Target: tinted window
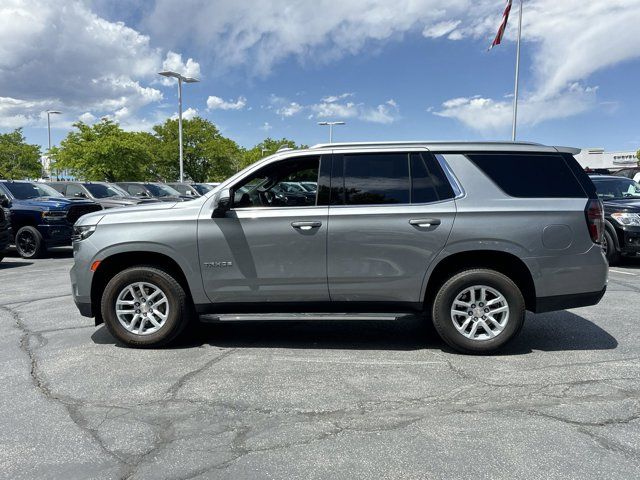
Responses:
[159,190]
[135,190]
[274,185]
[375,179]
[25,190]
[100,190]
[75,191]
[530,175]
[616,188]
[428,181]
[59,187]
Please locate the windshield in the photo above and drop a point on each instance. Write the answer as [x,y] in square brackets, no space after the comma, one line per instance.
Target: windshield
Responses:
[27,190]
[202,188]
[99,190]
[161,190]
[616,188]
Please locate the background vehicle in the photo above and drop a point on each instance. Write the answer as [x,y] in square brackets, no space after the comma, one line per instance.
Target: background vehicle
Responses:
[41,217]
[379,236]
[104,194]
[5,225]
[158,191]
[621,199]
[631,172]
[191,189]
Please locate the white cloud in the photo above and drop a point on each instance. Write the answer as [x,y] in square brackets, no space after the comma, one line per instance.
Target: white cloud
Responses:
[64,56]
[87,117]
[173,62]
[385,113]
[187,114]
[335,98]
[335,110]
[440,29]
[290,110]
[491,116]
[266,126]
[217,103]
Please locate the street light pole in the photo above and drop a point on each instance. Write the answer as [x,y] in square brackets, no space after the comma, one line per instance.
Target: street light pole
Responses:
[331,125]
[181,79]
[49,113]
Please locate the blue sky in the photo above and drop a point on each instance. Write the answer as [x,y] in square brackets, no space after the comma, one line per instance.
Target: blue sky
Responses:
[391,70]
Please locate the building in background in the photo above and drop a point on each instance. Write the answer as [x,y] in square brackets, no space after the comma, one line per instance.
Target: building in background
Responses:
[597,158]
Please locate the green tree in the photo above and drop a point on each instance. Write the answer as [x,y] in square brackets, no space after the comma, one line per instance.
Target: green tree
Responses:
[267,147]
[208,156]
[104,151]
[638,156]
[18,159]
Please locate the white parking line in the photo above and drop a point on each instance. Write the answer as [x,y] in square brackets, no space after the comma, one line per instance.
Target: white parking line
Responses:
[623,273]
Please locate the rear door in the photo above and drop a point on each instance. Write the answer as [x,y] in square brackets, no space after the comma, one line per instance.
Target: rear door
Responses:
[390,214]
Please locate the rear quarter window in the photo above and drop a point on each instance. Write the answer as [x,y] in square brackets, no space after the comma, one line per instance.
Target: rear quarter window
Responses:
[530,175]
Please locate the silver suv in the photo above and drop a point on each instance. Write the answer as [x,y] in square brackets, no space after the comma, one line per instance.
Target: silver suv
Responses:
[468,234]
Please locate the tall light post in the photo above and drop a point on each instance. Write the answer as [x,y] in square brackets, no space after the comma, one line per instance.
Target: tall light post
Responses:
[181,79]
[49,113]
[331,125]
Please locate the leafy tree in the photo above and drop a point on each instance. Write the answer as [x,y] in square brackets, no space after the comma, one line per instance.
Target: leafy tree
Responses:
[18,159]
[208,156]
[267,147]
[638,155]
[104,151]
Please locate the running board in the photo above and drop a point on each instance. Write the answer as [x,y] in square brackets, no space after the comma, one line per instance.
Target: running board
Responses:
[284,317]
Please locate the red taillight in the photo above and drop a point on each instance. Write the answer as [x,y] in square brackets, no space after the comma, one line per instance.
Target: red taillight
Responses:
[595,220]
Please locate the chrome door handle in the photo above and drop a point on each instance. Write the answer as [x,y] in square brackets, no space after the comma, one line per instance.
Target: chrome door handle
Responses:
[425,222]
[306,225]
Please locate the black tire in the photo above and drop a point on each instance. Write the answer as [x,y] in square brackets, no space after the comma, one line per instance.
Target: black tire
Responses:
[610,250]
[180,307]
[442,316]
[29,243]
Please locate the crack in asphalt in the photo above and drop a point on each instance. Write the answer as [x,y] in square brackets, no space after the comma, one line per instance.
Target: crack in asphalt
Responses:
[450,402]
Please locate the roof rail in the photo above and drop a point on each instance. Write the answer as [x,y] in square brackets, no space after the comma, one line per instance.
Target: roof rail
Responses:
[415,142]
[284,148]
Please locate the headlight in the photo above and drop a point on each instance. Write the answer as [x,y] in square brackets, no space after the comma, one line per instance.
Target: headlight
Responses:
[82,232]
[627,218]
[54,215]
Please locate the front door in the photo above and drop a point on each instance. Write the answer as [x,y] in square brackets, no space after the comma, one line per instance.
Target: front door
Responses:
[272,245]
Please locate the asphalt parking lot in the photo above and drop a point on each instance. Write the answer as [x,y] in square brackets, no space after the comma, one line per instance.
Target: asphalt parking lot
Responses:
[289,399]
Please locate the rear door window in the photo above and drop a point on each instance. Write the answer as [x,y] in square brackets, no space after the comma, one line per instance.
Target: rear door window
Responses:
[376,179]
[530,175]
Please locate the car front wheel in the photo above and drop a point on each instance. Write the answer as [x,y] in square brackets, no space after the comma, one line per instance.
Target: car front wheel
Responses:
[29,243]
[478,311]
[145,306]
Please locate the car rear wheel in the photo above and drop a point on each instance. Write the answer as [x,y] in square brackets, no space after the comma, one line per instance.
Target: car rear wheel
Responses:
[145,306]
[609,247]
[29,243]
[478,311]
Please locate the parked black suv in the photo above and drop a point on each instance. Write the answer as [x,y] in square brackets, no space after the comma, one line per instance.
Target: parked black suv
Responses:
[621,199]
[105,194]
[159,191]
[41,217]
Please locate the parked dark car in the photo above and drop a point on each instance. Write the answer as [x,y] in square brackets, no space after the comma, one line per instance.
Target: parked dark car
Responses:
[5,225]
[621,199]
[41,217]
[159,191]
[105,194]
[631,172]
[191,189]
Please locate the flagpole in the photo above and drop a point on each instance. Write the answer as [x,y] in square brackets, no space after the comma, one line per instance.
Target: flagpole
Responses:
[515,92]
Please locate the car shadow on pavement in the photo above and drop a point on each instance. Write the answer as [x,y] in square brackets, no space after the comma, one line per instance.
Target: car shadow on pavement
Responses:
[56,252]
[6,264]
[558,331]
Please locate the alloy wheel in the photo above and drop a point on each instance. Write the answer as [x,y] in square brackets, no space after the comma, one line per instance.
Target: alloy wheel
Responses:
[142,308]
[480,312]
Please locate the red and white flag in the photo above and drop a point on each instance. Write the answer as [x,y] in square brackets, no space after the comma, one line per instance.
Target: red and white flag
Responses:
[503,25]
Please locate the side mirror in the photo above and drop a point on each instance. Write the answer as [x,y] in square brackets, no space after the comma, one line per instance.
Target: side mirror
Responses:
[4,201]
[223,205]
